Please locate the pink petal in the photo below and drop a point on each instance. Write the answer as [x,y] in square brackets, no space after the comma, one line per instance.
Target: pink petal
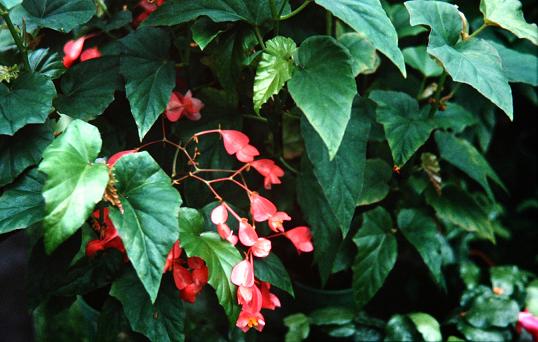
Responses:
[301,237]
[233,140]
[261,248]
[261,208]
[247,154]
[90,53]
[219,214]
[247,234]
[243,274]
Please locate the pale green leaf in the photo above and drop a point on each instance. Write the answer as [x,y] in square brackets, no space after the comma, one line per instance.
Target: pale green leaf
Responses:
[508,14]
[427,326]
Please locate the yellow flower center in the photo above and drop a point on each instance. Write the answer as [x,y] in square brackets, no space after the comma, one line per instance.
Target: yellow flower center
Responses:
[252,322]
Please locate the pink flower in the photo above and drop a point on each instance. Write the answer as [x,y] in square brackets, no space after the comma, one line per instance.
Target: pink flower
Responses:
[529,322]
[90,53]
[261,208]
[276,221]
[250,298]
[72,50]
[180,105]
[243,274]
[219,214]
[269,300]
[248,319]
[115,157]
[301,237]
[268,169]
[236,143]
[261,248]
[247,234]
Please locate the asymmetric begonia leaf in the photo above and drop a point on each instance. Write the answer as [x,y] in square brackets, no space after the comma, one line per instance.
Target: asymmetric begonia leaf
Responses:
[271,270]
[219,255]
[59,15]
[75,183]
[27,100]
[508,14]
[88,88]
[149,75]
[364,56]
[159,320]
[377,252]
[323,86]
[518,65]
[369,17]
[148,225]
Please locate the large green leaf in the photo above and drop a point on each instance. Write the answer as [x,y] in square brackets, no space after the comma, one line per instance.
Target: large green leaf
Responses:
[274,70]
[75,183]
[175,12]
[377,252]
[88,88]
[364,56]
[421,231]
[327,235]
[46,62]
[489,310]
[22,204]
[341,178]
[368,17]
[159,320]
[28,100]
[323,86]
[59,15]
[149,75]
[418,58]
[518,65]
[406,126]
[508,14]
[377,174]
[464,156]
[22,150]
[219,255]
[271,270]
[148,225]
[473,61]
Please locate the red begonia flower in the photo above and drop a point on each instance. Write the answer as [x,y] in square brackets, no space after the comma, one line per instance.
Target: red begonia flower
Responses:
[219,214]
[72,51]
[247,154]
[193,106]
[243,274]
[529,322]
[247,234]
[90,53]
[182,276]
[268,169]
[276,221]
[250,298]
[261,248]
[269,300]
[190,292]
[173,256]
[248,319]
[234,140]
[109,236]
[148,7]
[261,208]
[180,105]
[115,157]
[301,237]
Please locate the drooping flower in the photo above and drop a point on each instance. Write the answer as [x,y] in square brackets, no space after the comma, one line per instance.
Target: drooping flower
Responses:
[72,51]
[247,233]
[248,319]
[109,237]
[268,169]
[269,300]
[237,143]
[90,53]
[261,248]
[261,208]
[243,274]
[250,298]
[529,322]
[180,105]
[301,237]
[276,222]
[115,157]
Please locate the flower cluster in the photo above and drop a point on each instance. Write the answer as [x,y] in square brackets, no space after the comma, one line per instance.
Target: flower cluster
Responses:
[73,51]
[186,105]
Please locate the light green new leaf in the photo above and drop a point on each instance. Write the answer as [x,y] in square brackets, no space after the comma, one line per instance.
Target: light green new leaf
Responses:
[27,100]
[473,61]
[518,66]
[464,156]
[88,88]
[418,58]
[427,326]
[341,178]
[421,231]
[159,321]
[508,14]
[364,56]
[75,183]
[149,75]
[368,17]
[22,150]
[377,174]
[323,86]
[22,204]
[148,225]
[59,15]
[406,126]
[377,252]
[219,255]
[274,70]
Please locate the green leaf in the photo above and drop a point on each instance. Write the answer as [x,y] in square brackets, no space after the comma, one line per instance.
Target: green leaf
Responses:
[327,236]
[204,31]
[220,257]
[368,17]
[399,17]
[406,126]
[473,61]
[509,279]
[401,328]
[332,315]
[464,156]
[75,183]
[46,62]
[298,327]
[149,75]
[323,86]
[175,12]
[364,56]
[421,231]
[531,301]
[21,204]
[22,150]
[28,100]
[88,88]
[148,225]
[492,311]
[427,326]
[470,274]
[159,320]
[59,15]
[271,270]
[518,65]
[10,3]
[481,335]
[112,322]
[274,70]
[508,14]
[377,252]
[459,208]
[377,174]
[418,58]
[341,178]
[454,117]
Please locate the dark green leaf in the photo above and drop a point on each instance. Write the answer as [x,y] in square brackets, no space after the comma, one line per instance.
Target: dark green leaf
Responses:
[508,14]
[377,174]
[492,311]
[332,315]
[364,56]
[112,324]
[59,15]
[88,88]
[75,183]
[204,31]
[298,327]
[508,279]
[323,86]
[470,274]
[271,270]
[400,19]
[481,335]
[401,328]
[148,225]
[149,75]
[46,62]
[377,252]
[454,117]
[162,320]
[27,100]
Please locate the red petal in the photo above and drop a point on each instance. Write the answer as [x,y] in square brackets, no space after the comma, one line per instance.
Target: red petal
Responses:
[112,160]
[301,237]
[73,48]
[247,154]
[90,53]
[261,208]
[182,276]
[233,140]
